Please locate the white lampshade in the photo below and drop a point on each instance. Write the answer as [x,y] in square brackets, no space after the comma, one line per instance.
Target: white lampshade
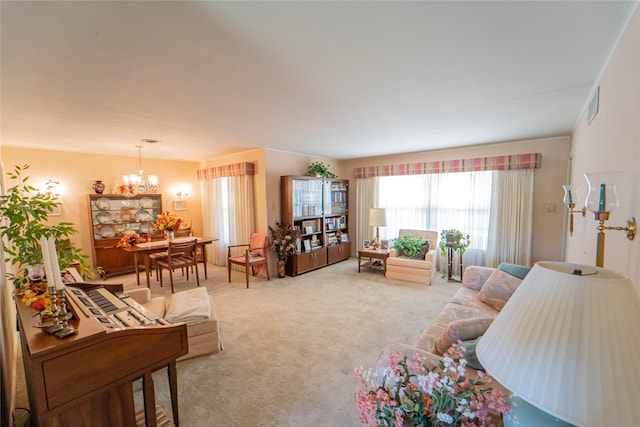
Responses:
[377,217]
[569,345]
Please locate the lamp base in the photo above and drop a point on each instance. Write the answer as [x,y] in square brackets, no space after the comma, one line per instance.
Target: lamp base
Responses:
[524,414]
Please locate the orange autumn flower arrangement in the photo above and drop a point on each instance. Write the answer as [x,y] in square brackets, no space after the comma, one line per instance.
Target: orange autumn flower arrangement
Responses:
[37,300]
[167,221]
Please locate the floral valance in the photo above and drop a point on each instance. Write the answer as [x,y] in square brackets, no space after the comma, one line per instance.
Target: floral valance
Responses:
[235,169]
[516,161]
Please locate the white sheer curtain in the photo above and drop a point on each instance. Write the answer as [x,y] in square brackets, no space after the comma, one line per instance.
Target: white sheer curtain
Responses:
[228,212]
[437,202]
[366,198]
[511,218]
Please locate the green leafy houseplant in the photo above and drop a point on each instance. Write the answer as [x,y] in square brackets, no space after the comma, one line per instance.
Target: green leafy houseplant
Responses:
[458,240]
[320,169]
[409,244]
[25,212]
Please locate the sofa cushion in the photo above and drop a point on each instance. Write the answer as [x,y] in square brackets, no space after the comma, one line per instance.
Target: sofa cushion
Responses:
[516,270]
[409,263]
[475,276]
[498,289]
[462,330]
[469,298]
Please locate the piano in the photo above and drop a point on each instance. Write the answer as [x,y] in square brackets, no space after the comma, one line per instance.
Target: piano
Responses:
[87,379]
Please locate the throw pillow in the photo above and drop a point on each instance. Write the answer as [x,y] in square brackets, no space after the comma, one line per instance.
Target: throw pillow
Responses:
[425,249]
[498,288]
[516,270]
[462,330]
[470,355]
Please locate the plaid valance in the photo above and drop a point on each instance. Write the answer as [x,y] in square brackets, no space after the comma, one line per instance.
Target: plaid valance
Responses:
[497,163]
[235,169]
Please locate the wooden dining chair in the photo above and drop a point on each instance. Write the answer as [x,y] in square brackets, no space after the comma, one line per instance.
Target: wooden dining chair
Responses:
[254,256]
[180,255]
[154,257]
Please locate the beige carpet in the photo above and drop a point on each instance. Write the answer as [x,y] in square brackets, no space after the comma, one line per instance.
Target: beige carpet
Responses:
[291,345]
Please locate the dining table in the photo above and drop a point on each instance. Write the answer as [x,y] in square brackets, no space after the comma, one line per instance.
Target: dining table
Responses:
[145,249]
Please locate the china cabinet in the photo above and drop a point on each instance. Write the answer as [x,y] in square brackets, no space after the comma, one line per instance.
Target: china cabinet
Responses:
[111,217]
[318,207]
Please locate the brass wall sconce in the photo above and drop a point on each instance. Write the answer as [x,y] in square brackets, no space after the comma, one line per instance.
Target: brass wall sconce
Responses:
[601,200]
[571,198]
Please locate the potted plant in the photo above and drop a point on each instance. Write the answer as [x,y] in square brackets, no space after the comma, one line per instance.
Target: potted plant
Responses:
[455,239]
[26,210]
[409,245]
[321,170]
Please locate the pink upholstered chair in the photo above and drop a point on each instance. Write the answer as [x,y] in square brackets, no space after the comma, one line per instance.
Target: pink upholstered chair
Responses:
[254,256]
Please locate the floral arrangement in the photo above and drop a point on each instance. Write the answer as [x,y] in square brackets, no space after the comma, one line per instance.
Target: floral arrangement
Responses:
[39,301]
[411,392]
[129,240]
[283,240]
[167,221]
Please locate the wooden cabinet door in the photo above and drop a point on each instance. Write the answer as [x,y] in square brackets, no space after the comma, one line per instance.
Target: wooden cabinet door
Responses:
[337,253]
[307,261]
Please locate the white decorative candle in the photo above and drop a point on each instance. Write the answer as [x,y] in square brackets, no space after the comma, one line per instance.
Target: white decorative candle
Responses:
[53,254]
[46,260]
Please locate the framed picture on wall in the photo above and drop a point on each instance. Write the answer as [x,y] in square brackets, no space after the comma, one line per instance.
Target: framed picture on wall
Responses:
[57,211]
[180,205]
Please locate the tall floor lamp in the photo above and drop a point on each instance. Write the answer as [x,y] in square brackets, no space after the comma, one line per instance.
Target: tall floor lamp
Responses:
[568,344]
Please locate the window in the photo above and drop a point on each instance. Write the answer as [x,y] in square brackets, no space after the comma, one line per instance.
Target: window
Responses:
[437,202]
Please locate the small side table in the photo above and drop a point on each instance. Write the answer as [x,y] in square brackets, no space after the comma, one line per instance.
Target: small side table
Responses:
[372,254]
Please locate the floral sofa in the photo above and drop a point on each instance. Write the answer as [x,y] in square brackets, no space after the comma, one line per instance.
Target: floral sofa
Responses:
[483,293]
[414,270]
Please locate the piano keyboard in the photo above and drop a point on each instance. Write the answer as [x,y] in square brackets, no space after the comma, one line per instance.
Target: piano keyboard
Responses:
[115,311]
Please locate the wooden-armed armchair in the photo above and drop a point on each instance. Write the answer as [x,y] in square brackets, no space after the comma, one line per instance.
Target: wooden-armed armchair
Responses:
[254,256]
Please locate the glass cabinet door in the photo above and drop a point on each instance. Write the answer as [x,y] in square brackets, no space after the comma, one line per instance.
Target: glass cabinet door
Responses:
[307,198]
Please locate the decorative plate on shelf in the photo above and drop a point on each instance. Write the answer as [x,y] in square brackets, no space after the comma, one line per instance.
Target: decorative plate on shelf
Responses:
[104,218]
[146,203]
[107,231]
[144,227]
[143,216]
[102,203]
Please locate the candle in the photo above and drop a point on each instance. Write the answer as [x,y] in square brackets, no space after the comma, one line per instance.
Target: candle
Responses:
[570,197]
[602,204]
[46,260]
[53,255]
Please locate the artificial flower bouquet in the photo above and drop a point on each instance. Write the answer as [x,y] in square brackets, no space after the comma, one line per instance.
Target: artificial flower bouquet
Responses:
[129,240]
[167,221]
[38,300]
[411,392]
[283,240]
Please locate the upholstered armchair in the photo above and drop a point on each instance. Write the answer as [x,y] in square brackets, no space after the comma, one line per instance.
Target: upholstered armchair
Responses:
[414,270]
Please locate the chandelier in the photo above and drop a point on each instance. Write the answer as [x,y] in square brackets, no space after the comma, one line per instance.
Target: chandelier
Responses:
[138,182]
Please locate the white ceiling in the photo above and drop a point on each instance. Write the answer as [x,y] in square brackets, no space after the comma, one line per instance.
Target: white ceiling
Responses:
[337,79]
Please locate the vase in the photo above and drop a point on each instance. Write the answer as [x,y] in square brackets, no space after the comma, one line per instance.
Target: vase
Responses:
[170,235]
[98,186]
[281,269]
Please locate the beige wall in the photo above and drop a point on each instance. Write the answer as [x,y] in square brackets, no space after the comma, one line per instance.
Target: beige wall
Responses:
[76,172]
[547,226]
[612,143]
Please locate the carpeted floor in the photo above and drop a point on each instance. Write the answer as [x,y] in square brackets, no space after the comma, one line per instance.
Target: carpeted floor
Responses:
[291,345]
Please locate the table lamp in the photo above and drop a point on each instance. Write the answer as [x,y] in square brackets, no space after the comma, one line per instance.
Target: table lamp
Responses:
[567,343]
[377,219]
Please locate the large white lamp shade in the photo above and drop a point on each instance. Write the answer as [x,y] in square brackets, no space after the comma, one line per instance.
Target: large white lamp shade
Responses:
[569,345]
